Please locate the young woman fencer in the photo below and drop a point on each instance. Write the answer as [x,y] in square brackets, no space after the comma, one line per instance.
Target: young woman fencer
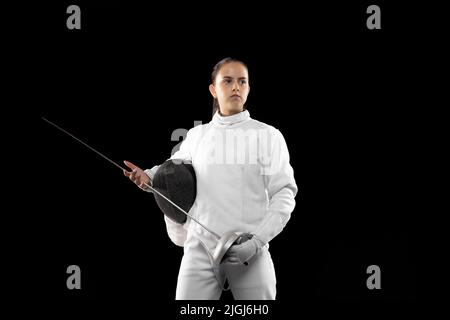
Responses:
[245,183]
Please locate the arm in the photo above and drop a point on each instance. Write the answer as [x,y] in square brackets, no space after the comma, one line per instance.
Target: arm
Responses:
[183,154]
[281,189]
[176,232]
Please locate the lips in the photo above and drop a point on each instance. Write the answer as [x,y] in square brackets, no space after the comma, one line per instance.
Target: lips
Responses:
[236,96]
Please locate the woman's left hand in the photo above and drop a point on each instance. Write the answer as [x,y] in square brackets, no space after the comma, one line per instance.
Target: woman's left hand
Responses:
[243,252]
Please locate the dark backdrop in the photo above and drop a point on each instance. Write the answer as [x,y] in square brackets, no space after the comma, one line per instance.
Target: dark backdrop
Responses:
[340,94]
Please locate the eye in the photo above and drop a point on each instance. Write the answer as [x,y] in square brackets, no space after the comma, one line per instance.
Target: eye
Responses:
[243,81]
[227,81]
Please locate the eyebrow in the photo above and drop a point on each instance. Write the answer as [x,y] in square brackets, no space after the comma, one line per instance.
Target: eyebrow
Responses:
[240,78]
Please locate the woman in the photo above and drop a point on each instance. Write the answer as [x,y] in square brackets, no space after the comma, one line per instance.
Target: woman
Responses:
[244,183]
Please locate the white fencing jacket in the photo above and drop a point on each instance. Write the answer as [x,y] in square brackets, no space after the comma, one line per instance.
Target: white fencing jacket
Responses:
[244,180]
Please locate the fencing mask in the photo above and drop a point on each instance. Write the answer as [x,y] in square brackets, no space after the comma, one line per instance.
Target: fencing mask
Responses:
[178,183]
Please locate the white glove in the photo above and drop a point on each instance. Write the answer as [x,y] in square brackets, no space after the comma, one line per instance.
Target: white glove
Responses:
[243,251]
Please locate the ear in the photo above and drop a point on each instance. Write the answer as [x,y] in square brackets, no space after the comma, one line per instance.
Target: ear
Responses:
[212,89]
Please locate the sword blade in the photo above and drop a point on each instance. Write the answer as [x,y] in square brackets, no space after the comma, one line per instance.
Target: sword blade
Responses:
[123,169]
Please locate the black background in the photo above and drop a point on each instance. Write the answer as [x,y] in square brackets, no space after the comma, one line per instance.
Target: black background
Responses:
[343,96]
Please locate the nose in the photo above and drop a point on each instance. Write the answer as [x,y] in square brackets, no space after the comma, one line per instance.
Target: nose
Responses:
[235,86]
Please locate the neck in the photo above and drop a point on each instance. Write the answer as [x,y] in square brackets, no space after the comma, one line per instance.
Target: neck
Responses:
[229,113]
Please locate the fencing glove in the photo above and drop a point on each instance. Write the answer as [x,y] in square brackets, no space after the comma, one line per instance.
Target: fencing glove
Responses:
[245,247]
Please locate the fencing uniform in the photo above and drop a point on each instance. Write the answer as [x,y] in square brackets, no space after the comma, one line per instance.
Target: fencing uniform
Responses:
[244,184]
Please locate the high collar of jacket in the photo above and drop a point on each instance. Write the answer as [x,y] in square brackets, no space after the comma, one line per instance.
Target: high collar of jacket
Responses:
[224,121]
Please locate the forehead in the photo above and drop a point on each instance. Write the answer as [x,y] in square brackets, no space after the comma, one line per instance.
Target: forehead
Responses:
[234,70]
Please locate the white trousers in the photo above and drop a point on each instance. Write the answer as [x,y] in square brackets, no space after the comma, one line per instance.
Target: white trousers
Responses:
[198,281]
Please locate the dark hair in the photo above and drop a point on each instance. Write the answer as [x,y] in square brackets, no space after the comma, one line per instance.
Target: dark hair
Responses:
[214,73]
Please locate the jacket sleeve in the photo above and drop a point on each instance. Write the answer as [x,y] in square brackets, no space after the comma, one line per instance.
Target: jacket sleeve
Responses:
[281,189]
[176,232]
[182,154]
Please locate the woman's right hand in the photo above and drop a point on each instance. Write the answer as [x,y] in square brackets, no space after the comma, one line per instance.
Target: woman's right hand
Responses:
[137,175]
